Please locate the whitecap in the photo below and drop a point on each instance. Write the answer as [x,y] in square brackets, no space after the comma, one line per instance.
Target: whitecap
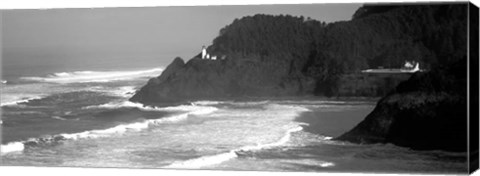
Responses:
[12,147]
[137,126]
[21,93]
[116,105]
[212,160]
[15,100]
[282,141]
[119,129]
[222,157]
[327,164]
[95,76]
[193,109]
[206,102]
[58,118]
[124,91]
[277,116]
[203,161]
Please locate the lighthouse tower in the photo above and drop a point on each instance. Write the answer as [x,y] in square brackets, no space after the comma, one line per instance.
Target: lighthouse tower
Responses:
[204,52]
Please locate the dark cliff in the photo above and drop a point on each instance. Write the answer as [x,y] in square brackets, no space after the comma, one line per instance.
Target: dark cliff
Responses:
[202,79]
[265,55]
[429,111]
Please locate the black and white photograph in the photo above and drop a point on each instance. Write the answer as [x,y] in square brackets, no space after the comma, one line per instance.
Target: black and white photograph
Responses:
[374,87]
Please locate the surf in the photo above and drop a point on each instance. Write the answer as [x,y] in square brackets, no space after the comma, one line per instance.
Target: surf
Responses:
[272,111]
[12,147]
[138,126]
[19,100]
[185,112]
[205,161]
[95,76]
[192,109]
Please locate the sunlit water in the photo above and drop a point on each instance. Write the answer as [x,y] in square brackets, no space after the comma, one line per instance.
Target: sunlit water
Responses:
[85,119]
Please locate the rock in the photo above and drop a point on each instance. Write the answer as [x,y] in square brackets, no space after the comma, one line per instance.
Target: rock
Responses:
[208,79]
[426,112]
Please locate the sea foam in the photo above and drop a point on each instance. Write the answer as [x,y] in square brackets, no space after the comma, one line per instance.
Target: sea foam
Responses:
[119,129]
[205,161]
[283,116]
[95,76]
[58,118]
[18,100]
[189,110]
[219,158]
[12,147]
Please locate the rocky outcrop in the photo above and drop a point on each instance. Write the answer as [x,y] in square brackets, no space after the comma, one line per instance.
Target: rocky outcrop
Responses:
[429,111]
[215,79]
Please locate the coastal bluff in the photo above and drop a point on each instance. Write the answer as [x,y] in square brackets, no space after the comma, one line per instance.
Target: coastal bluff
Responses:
[427,112]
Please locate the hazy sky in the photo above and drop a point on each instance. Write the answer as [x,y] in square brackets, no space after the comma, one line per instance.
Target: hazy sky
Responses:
[78,35]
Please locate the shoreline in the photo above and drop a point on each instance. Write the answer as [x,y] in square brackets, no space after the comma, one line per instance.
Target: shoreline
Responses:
[367,100]
[333,123]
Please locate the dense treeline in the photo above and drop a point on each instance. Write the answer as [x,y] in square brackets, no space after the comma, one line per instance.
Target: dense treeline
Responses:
[268,36]
[378,35]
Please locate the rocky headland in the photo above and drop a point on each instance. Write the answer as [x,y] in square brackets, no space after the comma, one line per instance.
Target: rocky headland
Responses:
[426,112]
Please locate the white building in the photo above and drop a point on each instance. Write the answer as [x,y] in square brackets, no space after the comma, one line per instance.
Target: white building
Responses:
[204,52]
[408,68]
[206,55]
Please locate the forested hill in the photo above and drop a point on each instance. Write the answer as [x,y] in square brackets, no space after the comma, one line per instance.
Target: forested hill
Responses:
[284,55]
[378,35]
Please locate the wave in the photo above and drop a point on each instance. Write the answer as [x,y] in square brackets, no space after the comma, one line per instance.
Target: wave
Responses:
[205,161]
[250,103]
[4,81]
[280,142]
[205,102]
[125,91]
[122,104]
[95,76]
[15,94]
[19,100]
[325,102]
[58,118]
[92,134]
[192,109]
[145,124]
[238,103]
[119,129]
[12,147]
[219,158]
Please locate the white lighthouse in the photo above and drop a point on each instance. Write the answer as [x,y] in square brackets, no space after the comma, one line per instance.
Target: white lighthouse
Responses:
[204,52]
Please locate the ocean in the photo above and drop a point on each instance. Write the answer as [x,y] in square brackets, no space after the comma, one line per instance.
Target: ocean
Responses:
[81,117]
